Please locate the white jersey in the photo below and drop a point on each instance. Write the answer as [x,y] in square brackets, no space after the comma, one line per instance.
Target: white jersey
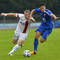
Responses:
[23,24]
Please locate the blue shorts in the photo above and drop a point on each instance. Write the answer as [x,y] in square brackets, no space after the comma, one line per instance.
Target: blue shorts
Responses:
[45,30]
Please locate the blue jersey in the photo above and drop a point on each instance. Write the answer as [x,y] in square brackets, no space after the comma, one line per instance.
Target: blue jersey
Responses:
[46,25]
[46,18]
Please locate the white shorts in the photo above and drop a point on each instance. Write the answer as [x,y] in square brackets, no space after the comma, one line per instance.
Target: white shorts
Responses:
[21,36]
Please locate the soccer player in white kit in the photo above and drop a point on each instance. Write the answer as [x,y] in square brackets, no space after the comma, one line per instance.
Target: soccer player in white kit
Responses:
[22,29]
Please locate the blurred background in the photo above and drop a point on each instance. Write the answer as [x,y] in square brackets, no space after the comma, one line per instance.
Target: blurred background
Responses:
[18,6]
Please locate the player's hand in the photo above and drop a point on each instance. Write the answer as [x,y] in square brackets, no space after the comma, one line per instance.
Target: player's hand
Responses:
[32,19]
[58,18]
[2,14]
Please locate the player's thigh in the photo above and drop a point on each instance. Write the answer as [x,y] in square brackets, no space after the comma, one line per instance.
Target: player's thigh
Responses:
[45,35]
[39,31]
[22,38]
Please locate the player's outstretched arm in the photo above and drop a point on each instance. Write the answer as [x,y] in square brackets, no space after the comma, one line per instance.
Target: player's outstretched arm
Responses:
[54,16]
[8,14]
[32,19]
[32,12]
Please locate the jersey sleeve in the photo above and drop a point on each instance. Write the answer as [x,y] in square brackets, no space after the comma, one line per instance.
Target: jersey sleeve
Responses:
[48,12]
[37,10]
[19,15]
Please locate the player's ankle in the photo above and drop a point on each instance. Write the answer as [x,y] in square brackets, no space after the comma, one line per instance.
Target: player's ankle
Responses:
[35,52]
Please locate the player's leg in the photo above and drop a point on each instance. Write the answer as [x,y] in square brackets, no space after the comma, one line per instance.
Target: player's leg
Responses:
[19,43]
[43,39]
[36,42]
[45,35]
[16,46]
[16,35]
[39,32]
[13,50]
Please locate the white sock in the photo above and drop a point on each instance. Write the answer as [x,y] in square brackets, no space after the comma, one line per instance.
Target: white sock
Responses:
[14,48]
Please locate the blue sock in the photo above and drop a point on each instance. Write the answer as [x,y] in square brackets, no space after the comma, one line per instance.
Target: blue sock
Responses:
[35,44]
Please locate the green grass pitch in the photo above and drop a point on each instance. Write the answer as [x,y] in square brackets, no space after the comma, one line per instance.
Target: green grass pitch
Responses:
[50,50]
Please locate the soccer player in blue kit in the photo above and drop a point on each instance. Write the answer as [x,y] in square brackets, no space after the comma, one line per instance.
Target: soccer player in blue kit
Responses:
[45,27]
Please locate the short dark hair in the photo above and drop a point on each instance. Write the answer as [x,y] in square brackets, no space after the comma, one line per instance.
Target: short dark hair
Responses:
[27,11]
[42,4]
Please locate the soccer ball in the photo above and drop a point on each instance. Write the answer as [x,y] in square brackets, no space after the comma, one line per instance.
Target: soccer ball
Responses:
[27,53]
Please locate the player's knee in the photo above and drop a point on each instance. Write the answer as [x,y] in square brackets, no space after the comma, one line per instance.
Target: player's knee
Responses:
[42,40]
[37,35]
[14,41]
[20,42]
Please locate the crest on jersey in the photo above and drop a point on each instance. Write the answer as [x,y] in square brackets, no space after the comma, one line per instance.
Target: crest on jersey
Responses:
[44,14]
